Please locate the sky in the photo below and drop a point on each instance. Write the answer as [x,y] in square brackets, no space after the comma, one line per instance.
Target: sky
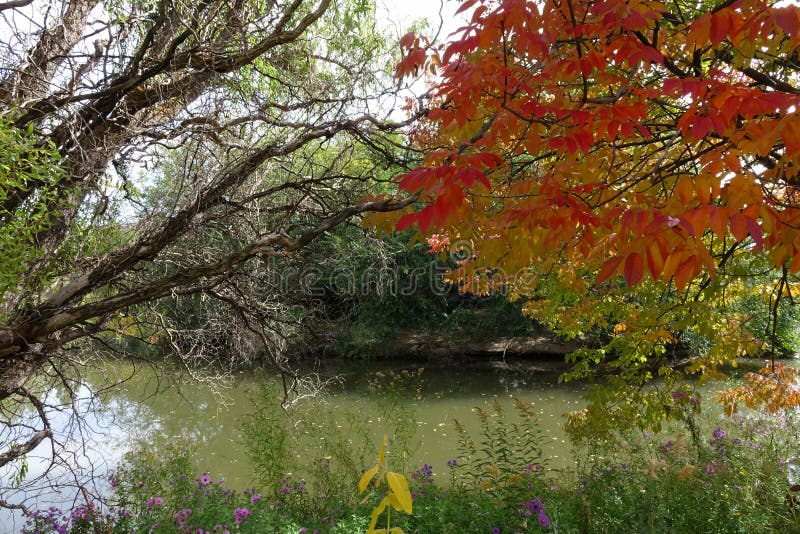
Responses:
[402,13]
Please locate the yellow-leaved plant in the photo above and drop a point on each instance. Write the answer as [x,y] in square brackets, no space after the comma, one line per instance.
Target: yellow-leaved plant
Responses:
[397,496]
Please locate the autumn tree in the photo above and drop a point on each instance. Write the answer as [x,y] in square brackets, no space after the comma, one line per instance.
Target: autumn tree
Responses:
[623,166]
[165,149]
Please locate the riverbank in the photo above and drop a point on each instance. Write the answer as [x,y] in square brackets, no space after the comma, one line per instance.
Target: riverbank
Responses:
[731,475]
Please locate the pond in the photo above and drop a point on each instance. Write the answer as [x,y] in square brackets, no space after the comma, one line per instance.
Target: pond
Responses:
[144,404]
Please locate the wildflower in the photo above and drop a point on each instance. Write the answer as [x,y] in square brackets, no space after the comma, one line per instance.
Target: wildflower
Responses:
[495,530]
[544,520]
[303,530]
[182,516]
[710,469]
[452,463]
[666,448]
[240,514]
[204,480]
[554,488]
[719,433]
[155,501]
[255,498]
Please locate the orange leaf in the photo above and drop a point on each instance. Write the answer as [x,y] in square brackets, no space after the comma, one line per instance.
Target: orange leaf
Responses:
[738,226]
[686,272]
[718,220]
[655,262]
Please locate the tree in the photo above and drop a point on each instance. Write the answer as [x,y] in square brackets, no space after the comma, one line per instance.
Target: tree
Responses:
[574,141]
[166,149]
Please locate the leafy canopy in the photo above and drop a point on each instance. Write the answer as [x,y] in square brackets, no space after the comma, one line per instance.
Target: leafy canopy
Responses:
[575,145]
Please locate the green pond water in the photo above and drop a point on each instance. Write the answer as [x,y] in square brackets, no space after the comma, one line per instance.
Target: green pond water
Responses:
[150,406]
[211,417]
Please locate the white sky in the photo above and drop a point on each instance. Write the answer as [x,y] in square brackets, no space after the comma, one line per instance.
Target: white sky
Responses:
[400,14]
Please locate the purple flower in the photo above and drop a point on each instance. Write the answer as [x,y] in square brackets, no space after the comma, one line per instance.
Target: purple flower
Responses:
[303,530]
[155,501]
[240,514]
[452,463]
[719,434]
[544,520]
[495,530]
[255,498]
[666,448]
[709,469]
[204,480]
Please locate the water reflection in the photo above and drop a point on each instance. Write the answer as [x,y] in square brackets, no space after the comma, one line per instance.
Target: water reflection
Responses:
[143,404]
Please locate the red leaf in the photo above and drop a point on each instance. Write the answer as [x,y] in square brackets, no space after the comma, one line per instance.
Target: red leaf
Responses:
[787,19]
[634,269]
[720,27]
[406,221]
[407,40]
[755,232]
[469,175]
[465,6]
[608,269]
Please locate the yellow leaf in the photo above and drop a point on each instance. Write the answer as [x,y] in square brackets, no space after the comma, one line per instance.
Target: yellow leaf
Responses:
[376,513]
[367,477]
[399,486]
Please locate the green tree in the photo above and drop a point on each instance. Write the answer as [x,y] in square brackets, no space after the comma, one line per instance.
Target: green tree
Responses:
[165,150]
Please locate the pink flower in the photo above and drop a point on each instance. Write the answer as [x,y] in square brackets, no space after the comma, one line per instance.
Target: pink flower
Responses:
[240,514]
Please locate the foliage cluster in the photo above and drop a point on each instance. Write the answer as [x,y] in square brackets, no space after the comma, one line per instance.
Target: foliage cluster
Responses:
[582,148]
